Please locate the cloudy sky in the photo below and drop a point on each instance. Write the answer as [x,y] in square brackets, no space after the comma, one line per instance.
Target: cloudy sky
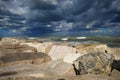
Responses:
[59,17]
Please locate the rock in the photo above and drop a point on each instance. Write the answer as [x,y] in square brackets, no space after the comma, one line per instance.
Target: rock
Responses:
[53,70]
[115,52]
[10,40]
[1,54]
[115,65]
[88,48]
[71,57]
[24,57]
[40,47]
[95,63]
[22,71]
[50,69]
[59,52]
[8,45]
[47,46]
[58,68]
[14,48]
[13,45]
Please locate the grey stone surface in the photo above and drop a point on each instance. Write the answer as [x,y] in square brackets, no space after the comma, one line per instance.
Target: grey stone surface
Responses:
[96,63]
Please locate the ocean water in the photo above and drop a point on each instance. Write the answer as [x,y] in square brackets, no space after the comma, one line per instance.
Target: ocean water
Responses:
[111,41]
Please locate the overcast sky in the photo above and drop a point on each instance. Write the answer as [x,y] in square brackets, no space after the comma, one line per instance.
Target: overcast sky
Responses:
[59,17]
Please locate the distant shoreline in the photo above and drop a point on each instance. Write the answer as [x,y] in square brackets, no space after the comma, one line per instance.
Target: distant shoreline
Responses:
[111,41]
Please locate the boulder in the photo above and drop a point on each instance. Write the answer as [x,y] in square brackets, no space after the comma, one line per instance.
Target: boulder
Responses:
[14,48]
[115,52]
[19,43]
[115,65]
[95,63]
[58,68]
[13,45]
[7,40]
[88,48]
[70,58]
[40,47]
[54,69]
[24,57]
[59,51]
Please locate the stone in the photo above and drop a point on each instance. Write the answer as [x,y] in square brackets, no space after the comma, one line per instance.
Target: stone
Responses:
[88,48]
[115,52]
[115,65]
[13,45]
[56,68]
[95,63]
[24,57]
[70,58]
[52,70]
[60,51]
[14,48]
[40,47]
[8,40]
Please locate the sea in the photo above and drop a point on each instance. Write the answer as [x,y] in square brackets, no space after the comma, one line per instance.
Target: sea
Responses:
[111,41]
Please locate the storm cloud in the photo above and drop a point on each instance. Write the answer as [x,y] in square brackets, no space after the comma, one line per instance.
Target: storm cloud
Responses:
[43,17]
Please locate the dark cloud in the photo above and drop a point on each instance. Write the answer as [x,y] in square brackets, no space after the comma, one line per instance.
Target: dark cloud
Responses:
[116,19]
[45,16]
[42,4]
[6,0]
[55,16]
